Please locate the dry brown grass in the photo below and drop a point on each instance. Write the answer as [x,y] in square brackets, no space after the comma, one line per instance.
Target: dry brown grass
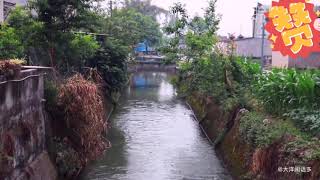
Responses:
[84,114]
[9,68]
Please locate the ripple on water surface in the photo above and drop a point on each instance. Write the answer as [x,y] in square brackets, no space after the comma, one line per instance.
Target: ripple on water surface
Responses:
[155,138]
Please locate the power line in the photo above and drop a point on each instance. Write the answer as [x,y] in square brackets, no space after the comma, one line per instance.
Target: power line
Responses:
[88,33]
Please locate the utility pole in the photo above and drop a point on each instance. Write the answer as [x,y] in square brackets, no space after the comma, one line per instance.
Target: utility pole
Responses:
[254,18]
[262,44]
[261,16]
[110,7]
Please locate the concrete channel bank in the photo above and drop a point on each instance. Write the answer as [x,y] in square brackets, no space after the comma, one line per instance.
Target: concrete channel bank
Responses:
[22,128]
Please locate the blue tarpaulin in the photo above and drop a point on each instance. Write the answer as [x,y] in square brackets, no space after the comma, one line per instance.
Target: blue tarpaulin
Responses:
[141,47]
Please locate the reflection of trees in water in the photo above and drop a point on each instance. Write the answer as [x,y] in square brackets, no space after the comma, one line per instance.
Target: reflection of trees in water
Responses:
[156,88]
[116,154]
[135,97]
[115,157]
[148,79]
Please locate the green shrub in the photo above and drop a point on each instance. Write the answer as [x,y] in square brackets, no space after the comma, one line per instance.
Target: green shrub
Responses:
[174,80]
[82,48]
[50,93]
[10,43]
[184,88]
[307,120]
[259,131]
[110,61]
[245,70]
[185,66]
[304,144]
[230,103]
[207,77]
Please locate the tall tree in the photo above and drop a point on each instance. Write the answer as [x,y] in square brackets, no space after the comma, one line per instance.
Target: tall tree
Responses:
[64,14]
[132,27]
[145,7]
[212,19]
[59,18]
[191,38]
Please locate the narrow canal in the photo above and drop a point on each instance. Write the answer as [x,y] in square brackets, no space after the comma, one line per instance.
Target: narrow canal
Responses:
[154,137]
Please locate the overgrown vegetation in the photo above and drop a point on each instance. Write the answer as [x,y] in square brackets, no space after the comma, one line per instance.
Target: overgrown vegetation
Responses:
[283,102]
[292,93]
[10,68]
[77,38]
[79,122]
[260,131]
[282,90]
[10,44]
[308,120]
[207,66]
[84,114]
[74,36]
[69,42]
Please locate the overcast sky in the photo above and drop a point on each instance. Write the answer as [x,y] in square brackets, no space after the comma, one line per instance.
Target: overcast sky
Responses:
[236,14]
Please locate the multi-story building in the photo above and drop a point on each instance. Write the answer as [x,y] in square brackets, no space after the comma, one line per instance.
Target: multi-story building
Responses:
[259,20]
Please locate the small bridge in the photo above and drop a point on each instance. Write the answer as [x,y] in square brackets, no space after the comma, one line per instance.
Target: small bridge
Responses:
[150,59]
[150,63]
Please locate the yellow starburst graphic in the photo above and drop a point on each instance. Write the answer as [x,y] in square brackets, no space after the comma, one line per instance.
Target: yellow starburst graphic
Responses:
[273,38]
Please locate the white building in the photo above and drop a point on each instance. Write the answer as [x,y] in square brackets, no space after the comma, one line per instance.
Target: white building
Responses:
[7,5]
[258,21]
[252,47]
[255,46]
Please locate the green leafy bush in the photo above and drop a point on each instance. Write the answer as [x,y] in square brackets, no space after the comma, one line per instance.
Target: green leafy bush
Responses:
[83,47]
[245,70]
[174,80]
[304,144]
[208,77]
[307,120]
[28,29]
[230,103]
[110,61]
[185,66]
[10,43]
[260,131]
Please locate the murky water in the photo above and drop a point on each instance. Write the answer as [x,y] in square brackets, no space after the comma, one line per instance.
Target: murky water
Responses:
[154,137]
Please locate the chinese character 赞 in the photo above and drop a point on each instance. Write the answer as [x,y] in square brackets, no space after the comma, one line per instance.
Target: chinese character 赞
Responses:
[294,25]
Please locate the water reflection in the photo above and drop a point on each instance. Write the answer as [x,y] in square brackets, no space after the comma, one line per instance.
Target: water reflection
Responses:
[155,138]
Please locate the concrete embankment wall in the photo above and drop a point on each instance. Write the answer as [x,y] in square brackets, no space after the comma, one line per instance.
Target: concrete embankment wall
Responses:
[22,129]
[245,160]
